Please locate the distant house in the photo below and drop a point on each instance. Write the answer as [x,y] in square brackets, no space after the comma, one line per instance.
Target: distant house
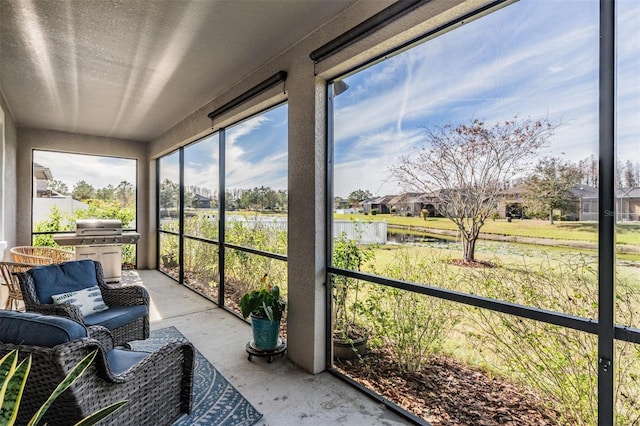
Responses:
[379,204]
[412,203]
[407,204]
[200,202]
[41,176]
[628,204]
[44,199]
[511,204]
[587,197]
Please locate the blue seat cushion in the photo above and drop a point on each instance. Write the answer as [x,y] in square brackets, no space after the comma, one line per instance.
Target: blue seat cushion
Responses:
[29,328]
[121,360]
[63,278]
[116,316]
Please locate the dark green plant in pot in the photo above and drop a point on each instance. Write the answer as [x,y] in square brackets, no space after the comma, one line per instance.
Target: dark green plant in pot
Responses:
[265,302]
[266,308]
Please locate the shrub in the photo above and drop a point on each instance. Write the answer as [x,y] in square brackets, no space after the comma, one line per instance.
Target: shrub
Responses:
[346,291]
[411,325]
[97,209]
[558,363]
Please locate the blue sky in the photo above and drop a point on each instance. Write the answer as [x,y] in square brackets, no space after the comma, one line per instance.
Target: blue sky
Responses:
[95,170]
[256,155]
[532,59]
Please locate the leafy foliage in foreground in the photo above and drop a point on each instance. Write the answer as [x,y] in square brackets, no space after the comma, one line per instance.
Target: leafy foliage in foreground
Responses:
[14,378]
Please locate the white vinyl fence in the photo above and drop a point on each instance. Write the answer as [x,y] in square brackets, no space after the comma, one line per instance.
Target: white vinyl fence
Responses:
[362,232]
[260,222]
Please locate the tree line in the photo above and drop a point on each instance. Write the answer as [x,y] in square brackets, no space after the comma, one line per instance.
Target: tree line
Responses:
[260,198]
[627,173]
[124,193]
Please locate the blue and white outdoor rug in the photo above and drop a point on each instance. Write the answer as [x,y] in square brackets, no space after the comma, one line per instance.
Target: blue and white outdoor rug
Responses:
[215,401]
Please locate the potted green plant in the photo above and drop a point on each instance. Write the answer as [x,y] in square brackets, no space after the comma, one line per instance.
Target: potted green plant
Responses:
[265,306]
[349,335]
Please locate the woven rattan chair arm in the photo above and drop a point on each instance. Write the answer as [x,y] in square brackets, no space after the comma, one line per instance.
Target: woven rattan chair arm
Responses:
[159,387]
[64,310]
[102,335]
[154,365]
[130,295]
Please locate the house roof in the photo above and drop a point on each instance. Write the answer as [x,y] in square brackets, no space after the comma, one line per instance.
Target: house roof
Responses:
[584,191]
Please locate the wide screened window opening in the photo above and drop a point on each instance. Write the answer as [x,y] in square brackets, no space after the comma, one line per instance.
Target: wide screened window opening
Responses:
[627,200]
[466,225]
[169,214]
[68,188]
[223,206]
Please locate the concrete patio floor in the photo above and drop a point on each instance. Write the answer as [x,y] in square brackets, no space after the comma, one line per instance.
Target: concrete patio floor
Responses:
[281,391]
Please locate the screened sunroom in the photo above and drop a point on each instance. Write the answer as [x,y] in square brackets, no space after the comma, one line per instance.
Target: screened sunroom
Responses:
[453,184]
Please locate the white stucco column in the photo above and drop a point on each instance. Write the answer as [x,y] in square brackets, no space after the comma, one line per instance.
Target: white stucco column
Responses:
[306,255]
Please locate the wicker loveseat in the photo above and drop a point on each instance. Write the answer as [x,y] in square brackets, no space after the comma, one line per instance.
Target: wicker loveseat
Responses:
[41,255]
[158,385]
[126,313]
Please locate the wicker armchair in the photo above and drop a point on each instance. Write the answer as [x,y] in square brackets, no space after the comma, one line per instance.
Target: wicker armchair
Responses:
[158,385]
[10,279]
[41,255]
[127,313]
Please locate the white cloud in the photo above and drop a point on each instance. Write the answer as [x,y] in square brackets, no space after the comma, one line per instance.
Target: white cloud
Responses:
[95,170]
[259,167]
[521,61]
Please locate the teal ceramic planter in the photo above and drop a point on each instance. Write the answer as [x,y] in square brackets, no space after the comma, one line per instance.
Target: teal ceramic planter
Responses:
[265,333]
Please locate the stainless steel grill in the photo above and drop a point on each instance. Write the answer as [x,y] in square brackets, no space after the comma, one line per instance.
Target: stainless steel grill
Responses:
[101,240]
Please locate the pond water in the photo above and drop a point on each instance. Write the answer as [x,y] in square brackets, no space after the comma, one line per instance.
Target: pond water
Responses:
[409,238]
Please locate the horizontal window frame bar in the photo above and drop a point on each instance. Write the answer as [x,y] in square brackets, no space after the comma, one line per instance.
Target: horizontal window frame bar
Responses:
[550,317]
[626,334]
[201,239]
[256,251]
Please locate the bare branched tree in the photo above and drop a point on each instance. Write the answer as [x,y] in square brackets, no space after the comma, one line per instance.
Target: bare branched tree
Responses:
[465,167]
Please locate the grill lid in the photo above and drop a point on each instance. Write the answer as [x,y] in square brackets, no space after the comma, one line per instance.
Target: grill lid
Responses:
[89,227]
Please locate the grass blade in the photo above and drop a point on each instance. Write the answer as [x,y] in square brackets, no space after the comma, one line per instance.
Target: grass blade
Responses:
[13,387]
[102,413]
[73,375]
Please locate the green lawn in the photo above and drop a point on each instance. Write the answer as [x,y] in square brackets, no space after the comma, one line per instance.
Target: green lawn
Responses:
[627,233]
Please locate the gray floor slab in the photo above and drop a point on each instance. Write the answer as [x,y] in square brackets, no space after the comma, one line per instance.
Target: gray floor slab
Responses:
[283,392]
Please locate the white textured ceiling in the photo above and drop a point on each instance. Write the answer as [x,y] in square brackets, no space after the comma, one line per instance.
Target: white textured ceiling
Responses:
[132,69]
